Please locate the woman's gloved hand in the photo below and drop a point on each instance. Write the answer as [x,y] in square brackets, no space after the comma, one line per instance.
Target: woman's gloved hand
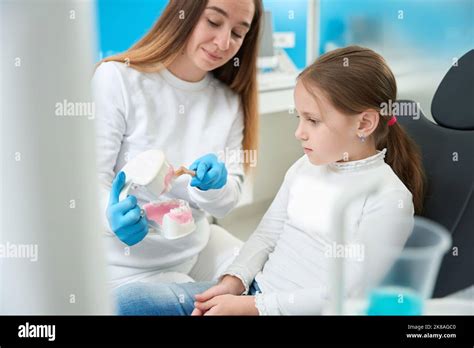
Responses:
[210,173]
[124,216]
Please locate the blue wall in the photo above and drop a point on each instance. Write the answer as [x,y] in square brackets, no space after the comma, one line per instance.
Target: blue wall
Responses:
[441,27]
[123,22]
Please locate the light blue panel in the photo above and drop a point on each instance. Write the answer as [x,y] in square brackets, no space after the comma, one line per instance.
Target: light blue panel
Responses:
[442,27]
[123,22]
[282,11]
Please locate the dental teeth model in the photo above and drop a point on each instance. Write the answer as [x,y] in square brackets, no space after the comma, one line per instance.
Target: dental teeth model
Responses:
[151,169]
[173,219]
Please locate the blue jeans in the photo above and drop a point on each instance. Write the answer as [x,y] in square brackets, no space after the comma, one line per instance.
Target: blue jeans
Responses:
[141,298]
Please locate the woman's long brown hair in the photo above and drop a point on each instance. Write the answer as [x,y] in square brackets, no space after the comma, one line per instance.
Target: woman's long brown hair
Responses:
[356,79]
[167,39]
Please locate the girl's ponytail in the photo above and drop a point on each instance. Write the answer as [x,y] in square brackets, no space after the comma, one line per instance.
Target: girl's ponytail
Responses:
[404,158]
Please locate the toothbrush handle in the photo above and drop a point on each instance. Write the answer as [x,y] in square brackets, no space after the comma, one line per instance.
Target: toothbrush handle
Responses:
[183,170]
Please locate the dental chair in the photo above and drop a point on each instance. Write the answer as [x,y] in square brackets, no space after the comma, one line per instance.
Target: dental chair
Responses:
[447,148]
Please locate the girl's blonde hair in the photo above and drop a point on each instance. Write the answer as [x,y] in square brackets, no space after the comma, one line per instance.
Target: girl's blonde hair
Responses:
[167,39]
[356,79]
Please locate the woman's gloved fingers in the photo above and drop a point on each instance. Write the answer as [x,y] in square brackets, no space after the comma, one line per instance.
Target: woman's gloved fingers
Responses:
[194,165]
[217,176]
[117,185]
[209,182]
[195,182]
[135,233]
[202,170]
[210,173]
[213,175]
[124,216]
[140,226]
[131,217]
[125,205]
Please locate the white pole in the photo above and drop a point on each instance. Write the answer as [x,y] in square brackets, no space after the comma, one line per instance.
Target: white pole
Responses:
[336,277]
[312,31]
[50,233]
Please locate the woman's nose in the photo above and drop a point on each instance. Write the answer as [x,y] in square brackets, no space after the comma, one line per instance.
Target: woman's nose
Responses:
[223,40]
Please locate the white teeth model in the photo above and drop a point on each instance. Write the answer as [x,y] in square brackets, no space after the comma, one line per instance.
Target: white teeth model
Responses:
[150,169]
[174,218]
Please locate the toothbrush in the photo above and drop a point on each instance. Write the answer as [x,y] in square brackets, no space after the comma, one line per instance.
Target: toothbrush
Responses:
[183,170]
[172,175]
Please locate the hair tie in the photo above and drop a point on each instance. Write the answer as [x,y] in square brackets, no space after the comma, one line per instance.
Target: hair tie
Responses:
[392,121]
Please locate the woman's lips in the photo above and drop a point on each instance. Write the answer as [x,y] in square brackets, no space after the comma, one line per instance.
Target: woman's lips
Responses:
[211,56]
[307,150]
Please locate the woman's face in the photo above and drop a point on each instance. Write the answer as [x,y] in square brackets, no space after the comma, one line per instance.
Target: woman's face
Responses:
[219,33]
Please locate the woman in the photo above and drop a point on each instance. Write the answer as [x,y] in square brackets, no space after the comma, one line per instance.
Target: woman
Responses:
[187,87]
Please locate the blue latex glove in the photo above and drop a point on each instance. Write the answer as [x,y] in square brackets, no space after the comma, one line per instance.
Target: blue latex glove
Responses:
[210,173]
[124,216]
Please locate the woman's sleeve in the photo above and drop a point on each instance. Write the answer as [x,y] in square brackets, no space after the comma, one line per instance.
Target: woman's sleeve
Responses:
[383,230]
[221,201]
[110,127]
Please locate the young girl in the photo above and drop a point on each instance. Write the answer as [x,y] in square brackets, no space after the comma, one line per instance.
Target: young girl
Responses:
[187,87]
[284,266]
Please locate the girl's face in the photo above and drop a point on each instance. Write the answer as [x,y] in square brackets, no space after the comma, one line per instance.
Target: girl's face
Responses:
[326,134]
[219,33]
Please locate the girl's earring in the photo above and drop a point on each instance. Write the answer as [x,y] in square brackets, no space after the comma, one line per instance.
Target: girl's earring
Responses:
[361,138]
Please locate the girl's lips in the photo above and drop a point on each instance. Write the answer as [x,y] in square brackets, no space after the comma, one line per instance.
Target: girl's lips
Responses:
[307,150]
[211,56]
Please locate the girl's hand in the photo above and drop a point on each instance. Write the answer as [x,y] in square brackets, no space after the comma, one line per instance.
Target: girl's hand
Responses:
[228,285]
[228,305]
[210,173]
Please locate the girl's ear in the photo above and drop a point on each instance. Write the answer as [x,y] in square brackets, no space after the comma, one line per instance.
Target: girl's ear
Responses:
[368,122]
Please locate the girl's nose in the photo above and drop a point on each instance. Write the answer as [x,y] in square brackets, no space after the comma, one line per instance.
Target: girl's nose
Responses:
[300,132]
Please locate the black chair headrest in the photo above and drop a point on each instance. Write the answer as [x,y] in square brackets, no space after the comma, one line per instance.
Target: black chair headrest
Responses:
[452,105]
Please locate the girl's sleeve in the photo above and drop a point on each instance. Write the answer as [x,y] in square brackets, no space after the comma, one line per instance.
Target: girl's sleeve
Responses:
[219,202]
[254,253]
[384,228]
[110,127]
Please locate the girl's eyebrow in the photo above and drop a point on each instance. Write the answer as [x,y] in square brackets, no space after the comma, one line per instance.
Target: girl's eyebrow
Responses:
[307,114]
[225,14]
